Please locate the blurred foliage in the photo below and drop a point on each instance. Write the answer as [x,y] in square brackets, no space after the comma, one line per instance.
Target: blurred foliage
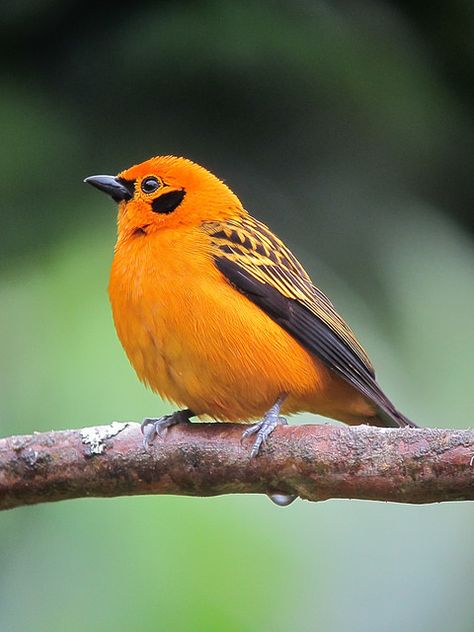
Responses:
[348,128]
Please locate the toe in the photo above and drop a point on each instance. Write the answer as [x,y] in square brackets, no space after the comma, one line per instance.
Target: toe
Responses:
[146,422]
[248,432]
[256,446]
[152,428]
[263,429]
[149,434]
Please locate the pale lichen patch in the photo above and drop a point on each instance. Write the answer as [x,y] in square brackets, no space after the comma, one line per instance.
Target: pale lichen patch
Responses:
[96,436]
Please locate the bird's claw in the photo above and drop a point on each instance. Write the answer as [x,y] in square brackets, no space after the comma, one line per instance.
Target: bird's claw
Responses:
[153,427]
[263,430]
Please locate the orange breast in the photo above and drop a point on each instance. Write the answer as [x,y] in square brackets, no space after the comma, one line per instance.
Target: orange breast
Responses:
[197,341]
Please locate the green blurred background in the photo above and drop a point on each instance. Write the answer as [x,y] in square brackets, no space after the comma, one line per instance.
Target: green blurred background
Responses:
[348,128]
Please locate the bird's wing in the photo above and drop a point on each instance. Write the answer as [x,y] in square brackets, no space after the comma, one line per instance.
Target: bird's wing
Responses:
[262,268]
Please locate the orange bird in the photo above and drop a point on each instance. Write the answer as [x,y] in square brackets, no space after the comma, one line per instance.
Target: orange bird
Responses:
[218,316]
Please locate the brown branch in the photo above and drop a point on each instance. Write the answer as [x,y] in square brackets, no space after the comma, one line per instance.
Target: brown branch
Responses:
[315,462]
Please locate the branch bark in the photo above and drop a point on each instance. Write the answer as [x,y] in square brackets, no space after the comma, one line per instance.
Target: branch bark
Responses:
[315,462]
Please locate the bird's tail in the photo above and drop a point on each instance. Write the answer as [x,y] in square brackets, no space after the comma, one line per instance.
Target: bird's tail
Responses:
[391,418]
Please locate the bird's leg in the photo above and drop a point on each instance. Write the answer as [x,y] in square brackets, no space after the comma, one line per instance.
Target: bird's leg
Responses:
[151,428]
[266,426]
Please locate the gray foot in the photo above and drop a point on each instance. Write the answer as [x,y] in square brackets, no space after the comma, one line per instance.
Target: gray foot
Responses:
[151,428]
[266,426]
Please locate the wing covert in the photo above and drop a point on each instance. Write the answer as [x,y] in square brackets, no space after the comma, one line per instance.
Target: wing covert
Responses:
[251,246]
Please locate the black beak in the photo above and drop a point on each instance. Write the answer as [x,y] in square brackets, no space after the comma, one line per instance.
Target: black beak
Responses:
[117,189]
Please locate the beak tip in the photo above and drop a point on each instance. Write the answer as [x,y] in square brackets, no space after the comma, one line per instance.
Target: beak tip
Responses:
[117,189]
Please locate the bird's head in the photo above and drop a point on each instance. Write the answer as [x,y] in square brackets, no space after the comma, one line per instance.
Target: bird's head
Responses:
[166,192]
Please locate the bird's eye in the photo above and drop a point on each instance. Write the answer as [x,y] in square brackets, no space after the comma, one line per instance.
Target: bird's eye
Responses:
[150,185]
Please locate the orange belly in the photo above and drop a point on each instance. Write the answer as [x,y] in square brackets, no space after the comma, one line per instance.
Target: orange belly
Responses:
[198,342]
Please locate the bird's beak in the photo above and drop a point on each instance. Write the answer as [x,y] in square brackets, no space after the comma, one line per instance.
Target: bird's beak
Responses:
[117,189]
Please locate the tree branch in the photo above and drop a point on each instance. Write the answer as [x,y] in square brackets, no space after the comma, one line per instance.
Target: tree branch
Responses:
[315,462]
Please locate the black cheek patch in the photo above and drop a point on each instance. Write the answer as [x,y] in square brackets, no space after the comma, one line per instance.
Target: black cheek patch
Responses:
[168,202]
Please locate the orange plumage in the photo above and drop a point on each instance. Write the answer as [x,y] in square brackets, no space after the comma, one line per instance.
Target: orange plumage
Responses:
[214,312]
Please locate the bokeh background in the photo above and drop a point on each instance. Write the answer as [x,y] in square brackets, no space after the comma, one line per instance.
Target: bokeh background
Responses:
[348,128]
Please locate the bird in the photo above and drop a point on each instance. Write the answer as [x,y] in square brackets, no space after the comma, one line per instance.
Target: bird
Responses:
[218,316]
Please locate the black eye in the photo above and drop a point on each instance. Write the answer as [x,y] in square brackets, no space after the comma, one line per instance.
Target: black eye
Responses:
[151,184]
